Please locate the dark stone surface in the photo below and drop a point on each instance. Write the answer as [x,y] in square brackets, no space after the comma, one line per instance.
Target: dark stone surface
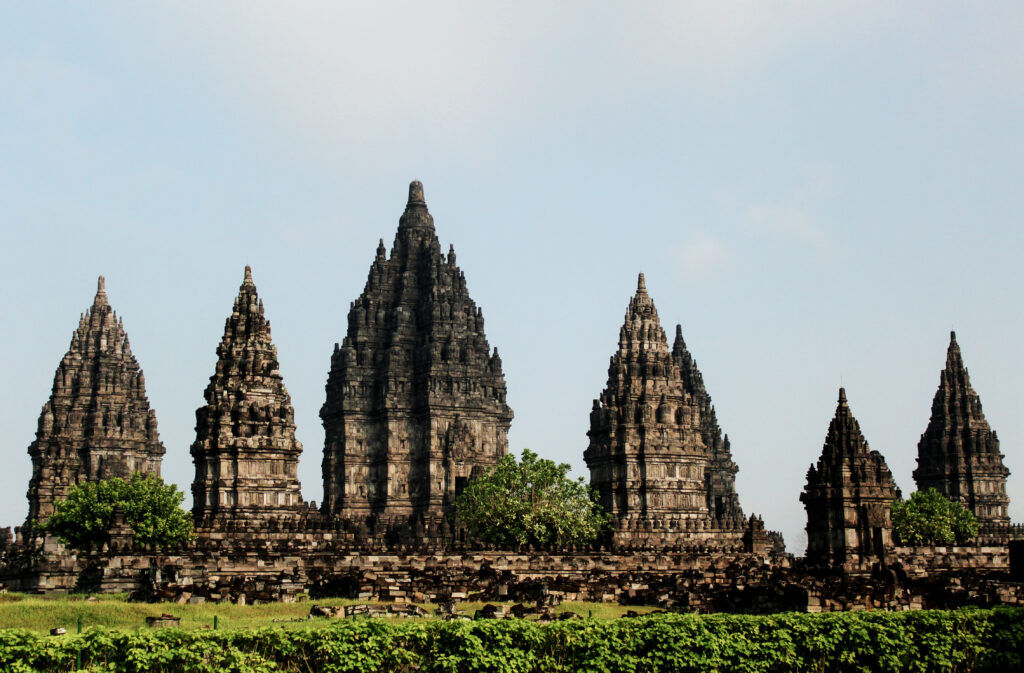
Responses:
[415,397]
[848,497]
[958,454]
[97,423]
[657,458]
[245,453]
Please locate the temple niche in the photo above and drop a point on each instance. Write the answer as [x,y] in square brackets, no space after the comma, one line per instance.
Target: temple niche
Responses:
[415,397]
[656,456]
[97,423]
[848,498]
[958,454]
[245,454]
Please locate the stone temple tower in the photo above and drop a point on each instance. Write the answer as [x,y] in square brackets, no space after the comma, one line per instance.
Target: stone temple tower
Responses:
[649,456]
[97,423]
[958,454]
[245,453]
[848,497]
[723,503]
[415,397]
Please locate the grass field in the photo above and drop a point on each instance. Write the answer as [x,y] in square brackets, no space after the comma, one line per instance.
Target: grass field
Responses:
[42,613]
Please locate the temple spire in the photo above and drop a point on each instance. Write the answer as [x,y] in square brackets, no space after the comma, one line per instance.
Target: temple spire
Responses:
[101,292]
[416,215]
[848,495]
[97,422]
[416,404]
[958,453]
[416,194]
[245,452]
[648,458]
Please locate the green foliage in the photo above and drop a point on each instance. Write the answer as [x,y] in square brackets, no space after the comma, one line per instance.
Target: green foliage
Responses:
[887,642]
[533,502]
[152,509]
[928,517]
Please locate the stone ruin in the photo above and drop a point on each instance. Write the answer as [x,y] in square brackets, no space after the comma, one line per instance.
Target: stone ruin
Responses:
[245,454]
[416,407]
[848,496]
[657,457]
[97,423]
[415,396]
[958,454]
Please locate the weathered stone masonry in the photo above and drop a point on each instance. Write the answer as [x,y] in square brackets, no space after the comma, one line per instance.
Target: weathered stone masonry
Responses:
[416,407]
[415,398]
[657,458]
[848,496]
[97,423]
[958,454]
[245,454]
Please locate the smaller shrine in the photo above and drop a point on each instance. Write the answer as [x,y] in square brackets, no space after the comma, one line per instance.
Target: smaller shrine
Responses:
[848,497]
[245,454]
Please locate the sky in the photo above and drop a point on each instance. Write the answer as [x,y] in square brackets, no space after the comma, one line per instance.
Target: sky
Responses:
[817,192]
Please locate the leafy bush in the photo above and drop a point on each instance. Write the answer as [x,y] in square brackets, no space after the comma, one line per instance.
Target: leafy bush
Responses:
[152,509]
[533,502]
[928,517]
[888,642]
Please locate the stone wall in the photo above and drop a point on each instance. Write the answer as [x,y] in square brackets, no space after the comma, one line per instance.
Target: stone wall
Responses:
[281,566]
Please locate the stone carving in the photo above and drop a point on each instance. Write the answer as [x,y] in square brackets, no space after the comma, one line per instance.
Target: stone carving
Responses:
[958,454]
[97,423]
[415,398]
[723,503]
[245,453]
[648,456]
[848,497]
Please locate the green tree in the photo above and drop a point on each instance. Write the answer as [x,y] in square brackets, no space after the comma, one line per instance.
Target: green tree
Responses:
[928,517]
[533,502]
[152,509]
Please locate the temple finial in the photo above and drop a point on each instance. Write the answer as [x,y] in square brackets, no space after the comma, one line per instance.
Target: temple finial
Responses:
[416,194]
[248,275]
[641,284]
[101,291]
[952,337]
[842,396]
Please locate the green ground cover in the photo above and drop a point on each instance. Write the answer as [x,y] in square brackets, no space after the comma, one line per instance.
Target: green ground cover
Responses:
[923,641]
[39,613]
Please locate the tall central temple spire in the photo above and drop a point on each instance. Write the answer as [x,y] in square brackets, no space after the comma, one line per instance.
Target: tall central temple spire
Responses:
[97,422]
[415,398]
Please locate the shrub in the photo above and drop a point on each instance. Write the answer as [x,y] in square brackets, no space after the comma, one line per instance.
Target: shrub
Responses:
[928,517]
[152,509]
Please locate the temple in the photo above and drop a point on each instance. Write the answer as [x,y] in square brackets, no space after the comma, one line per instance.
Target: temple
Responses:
[246,455]
[415,397]
[958,454]
[848,497]
[656,455]
[416,408]
[97,423]
[723,503]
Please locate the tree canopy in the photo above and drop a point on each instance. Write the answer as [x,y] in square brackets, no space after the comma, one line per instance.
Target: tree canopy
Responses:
[928,517]
[152,509]
[532,502]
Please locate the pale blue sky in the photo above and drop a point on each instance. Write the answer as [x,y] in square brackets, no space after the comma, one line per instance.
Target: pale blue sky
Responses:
[818,192]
